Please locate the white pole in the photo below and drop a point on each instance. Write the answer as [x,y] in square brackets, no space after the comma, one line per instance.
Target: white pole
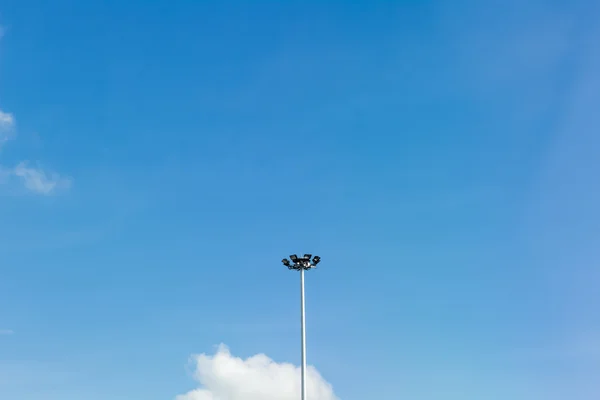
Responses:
[303,329]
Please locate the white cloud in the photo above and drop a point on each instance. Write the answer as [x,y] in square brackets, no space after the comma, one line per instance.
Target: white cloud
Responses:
[225,377]
[34,179]
[7,120]
[7,123]
[40,181]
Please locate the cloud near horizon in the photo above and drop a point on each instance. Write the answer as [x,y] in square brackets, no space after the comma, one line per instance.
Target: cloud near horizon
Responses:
[223,376]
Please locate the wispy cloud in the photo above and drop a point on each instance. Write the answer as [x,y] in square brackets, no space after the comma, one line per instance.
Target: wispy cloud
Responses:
[6,332]
[6,120]
[7,123]
[35,179]
[39,181]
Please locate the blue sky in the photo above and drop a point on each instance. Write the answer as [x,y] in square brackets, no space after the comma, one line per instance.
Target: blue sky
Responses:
[158,159]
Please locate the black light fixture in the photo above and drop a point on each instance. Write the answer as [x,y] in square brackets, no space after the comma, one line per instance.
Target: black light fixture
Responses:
[303,263]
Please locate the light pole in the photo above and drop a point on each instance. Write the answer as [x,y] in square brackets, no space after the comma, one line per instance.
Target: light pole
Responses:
[302,264]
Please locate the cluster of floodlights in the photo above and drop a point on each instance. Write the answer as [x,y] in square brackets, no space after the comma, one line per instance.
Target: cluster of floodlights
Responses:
[306,262]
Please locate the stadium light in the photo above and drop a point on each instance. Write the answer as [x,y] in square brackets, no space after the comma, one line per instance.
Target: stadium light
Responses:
[302,264]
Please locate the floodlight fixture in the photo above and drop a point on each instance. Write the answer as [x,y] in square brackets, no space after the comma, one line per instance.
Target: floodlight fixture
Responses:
[301,263]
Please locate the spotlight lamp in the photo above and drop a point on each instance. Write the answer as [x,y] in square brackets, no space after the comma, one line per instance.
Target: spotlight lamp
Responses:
[305,262]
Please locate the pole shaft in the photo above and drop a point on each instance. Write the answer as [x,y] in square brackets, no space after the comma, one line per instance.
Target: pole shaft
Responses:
[303,334]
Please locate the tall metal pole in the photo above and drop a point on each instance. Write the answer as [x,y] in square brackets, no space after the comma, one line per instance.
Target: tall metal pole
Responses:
[301,264]
[303,334]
